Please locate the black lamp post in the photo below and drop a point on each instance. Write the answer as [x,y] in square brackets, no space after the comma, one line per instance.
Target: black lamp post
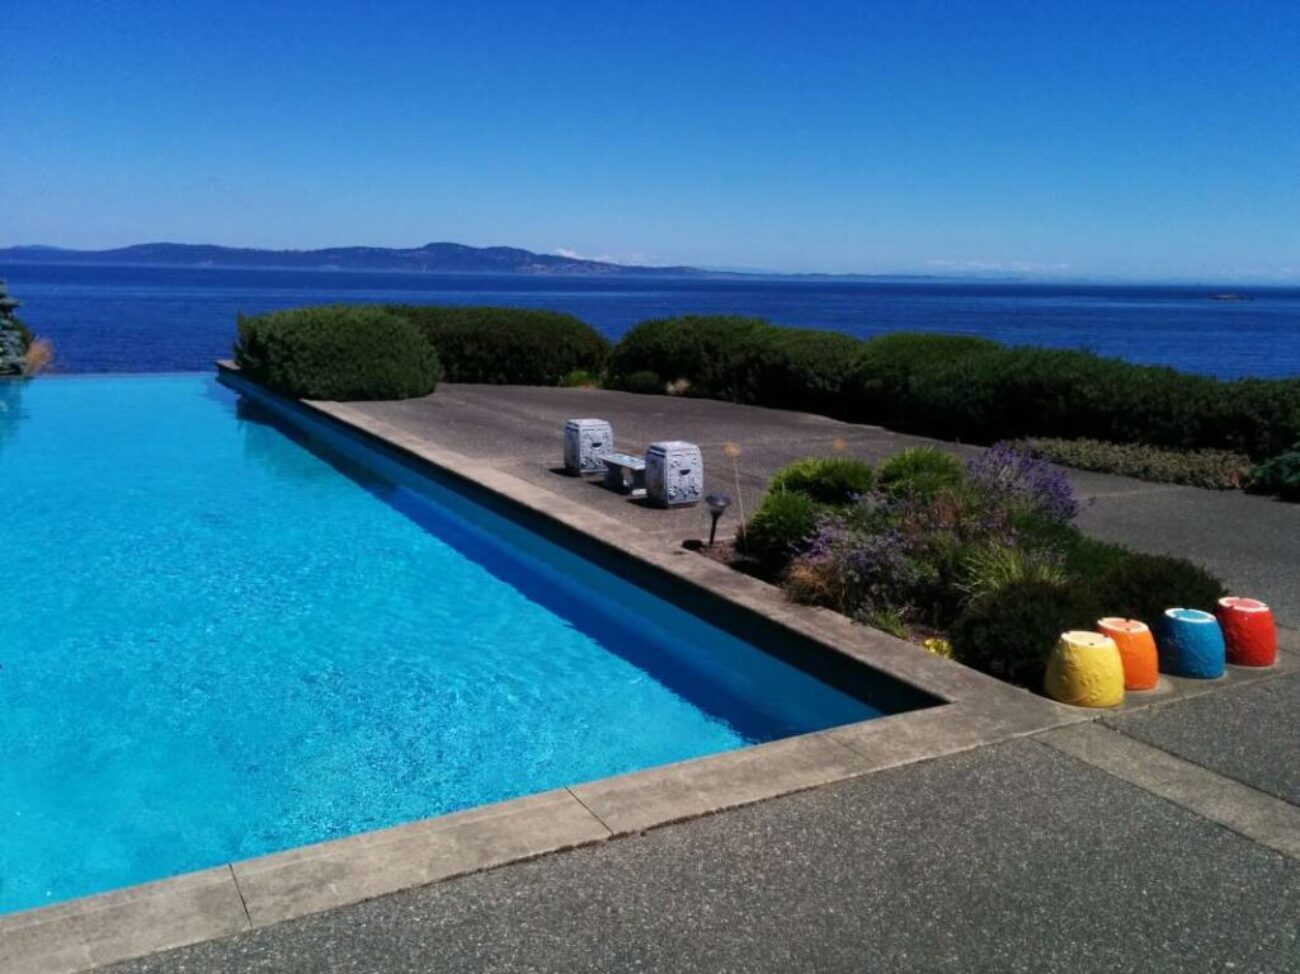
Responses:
[717,504]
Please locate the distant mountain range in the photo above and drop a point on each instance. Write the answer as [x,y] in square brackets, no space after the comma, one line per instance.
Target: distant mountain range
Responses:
[433,258]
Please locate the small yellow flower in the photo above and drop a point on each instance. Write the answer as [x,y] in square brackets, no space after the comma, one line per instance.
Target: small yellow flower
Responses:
[732,450]
[838,445]
[940,647]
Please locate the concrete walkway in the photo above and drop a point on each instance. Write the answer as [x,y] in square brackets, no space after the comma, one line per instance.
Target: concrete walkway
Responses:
[1160,839]
[1017,857]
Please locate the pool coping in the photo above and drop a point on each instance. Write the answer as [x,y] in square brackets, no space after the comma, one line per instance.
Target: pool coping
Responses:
[973,710]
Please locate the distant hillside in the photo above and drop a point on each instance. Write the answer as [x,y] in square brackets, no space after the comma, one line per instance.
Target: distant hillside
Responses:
[434,258]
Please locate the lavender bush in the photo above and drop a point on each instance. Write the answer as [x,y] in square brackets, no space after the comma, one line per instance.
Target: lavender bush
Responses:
[853,571]
[1020,477]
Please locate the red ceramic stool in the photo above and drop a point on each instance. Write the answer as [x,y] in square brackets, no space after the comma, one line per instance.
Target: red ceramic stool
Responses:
[1137,650]
[1248,631]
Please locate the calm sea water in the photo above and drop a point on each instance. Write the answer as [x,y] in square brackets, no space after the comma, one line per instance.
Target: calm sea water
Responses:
[234,640]
[144,319]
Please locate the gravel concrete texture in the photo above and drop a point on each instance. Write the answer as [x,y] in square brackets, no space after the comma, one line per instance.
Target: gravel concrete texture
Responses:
[1008,858]
[1249,732]
[1252,542]
[1249,812]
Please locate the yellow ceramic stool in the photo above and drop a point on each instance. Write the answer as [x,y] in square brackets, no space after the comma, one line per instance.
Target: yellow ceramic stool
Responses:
[1085,670]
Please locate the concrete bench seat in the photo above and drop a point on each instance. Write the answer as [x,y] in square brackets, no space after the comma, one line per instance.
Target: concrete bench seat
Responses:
[624,473]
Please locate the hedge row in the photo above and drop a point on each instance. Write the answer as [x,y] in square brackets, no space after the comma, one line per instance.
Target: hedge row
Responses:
[739,359]
[515,346]
[399,351]
[957,387]
[337,352]
[951,386]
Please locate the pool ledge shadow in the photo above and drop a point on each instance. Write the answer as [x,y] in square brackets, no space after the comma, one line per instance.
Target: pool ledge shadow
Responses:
[966,710]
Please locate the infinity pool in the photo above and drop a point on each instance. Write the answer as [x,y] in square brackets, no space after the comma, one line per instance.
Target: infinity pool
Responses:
[223,638]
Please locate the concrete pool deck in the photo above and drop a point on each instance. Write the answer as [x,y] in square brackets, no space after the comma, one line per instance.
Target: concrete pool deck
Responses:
[898,852]
[1252,542]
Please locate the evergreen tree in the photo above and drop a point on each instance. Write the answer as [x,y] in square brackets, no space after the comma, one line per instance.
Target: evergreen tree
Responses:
[14,338]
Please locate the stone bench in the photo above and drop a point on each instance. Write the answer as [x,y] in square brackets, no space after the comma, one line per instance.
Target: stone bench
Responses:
[624,473]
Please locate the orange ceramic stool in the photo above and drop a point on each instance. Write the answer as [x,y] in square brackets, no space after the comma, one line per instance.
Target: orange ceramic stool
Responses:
[1248,631]
[1137,651]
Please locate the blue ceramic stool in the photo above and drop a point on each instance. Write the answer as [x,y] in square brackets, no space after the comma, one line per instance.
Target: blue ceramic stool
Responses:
[1190,643]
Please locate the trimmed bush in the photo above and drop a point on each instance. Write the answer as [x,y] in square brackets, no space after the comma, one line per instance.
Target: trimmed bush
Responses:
[1211,469]
[885,365]
[797,368]
[1257,417]
[1280,476]
[1010,633]
[705,350]
[508,346]
[828,480]
[1144,586]
[969,389]
[337,352]
[1016,393]
[921,472]
[774,534]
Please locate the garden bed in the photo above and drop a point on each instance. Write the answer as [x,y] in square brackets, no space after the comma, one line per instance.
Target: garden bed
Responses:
[978,561]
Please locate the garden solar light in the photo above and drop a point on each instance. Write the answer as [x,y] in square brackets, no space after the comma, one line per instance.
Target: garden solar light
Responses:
[717,504]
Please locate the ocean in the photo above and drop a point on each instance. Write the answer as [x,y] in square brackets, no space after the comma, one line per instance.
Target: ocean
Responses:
[167,319]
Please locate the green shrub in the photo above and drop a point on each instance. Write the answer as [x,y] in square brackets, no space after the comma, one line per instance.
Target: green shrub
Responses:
[580,379]
[966,388]
[921,472]
[1143,586]
[1257,417]
[508,346]
[1010,633]
[884,367]
[1086,558]
[1090,559]
[782,522]
[1212,469]
[25,334]
[337,352]
[705,350]
[797,368]
[1280,476]
[828,480]
[643,381]
[1015,393]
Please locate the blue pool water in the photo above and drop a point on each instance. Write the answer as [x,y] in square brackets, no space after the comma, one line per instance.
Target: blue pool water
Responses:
[225,643]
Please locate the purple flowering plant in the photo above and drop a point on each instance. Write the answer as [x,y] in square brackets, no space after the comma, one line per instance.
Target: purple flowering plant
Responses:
[1020,477]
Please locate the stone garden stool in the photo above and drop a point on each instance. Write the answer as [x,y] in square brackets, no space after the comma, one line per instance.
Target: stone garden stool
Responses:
[674,474]
[584,442]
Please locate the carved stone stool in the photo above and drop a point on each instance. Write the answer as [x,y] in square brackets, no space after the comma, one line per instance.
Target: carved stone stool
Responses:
[584,442]
[674,474]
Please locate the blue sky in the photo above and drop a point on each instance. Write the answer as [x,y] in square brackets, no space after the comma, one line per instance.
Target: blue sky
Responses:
[1129,139]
